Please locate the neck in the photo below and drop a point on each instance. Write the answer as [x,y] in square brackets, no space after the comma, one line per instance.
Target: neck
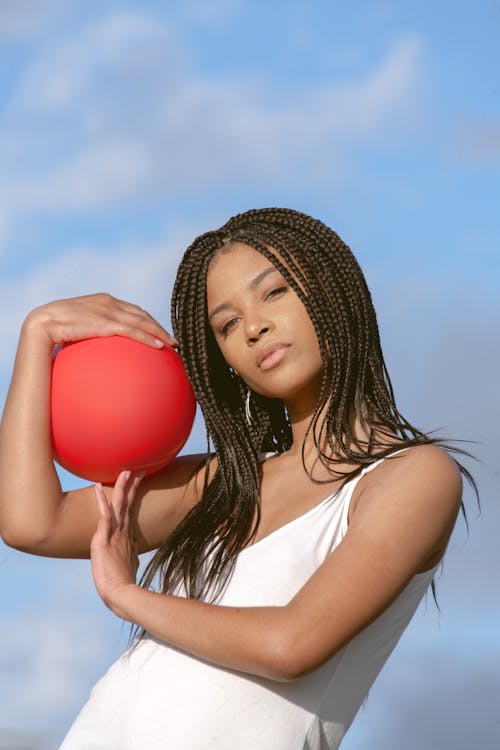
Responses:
[300,419]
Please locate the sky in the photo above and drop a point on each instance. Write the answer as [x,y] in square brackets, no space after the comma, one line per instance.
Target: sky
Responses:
[126,129]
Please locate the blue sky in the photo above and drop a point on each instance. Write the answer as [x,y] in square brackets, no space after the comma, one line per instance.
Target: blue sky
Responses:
[126,129]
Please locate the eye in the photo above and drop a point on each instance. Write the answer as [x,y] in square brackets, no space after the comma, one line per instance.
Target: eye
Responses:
[224,330]
[276,291]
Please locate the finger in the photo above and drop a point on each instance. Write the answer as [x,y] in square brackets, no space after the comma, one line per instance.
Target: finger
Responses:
[119,497]
[104,512]
[134,483]
[150,326]
[123,497]
[157,339]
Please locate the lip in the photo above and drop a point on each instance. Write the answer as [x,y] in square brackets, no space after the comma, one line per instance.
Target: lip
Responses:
[269,349]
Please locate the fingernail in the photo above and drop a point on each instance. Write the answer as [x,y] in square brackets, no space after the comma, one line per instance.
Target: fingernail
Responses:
[159,343]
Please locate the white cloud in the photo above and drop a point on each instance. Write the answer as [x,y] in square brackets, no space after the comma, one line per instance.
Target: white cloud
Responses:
[136,272]
[53,647]
[22,20]
[365,107]
[213,12]
[113,114]
[124,47]
[116,170]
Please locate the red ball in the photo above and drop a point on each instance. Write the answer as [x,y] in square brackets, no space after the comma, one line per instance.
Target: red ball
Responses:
[118,404]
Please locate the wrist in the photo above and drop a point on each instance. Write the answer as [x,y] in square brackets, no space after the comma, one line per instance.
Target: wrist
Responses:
[36,326]
[126,602]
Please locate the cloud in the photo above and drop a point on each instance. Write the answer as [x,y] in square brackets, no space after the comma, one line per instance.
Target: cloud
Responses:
[98,58]
[18,739]
[57,638]
[25,20]
[459,391]
[137,272]
[478,142]
[214,12]
[439,699]
[114,114]
[52,647]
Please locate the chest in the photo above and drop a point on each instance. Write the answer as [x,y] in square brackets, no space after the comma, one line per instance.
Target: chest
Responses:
[287,493]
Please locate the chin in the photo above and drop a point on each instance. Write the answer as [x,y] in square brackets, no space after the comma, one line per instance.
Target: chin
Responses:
[298,393]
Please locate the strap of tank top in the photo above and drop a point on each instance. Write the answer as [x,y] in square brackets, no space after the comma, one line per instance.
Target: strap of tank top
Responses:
[377,463]
[263,456]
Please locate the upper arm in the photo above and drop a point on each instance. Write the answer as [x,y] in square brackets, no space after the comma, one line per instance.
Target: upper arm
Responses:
[163,499]
[403,520]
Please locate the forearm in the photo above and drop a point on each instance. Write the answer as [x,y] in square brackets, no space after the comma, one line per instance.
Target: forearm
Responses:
[247,639]
[26,465]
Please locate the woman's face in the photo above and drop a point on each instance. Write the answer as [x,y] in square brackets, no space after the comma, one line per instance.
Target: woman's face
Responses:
[262,328]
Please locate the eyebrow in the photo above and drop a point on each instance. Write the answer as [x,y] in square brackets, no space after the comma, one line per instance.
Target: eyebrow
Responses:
[252,285]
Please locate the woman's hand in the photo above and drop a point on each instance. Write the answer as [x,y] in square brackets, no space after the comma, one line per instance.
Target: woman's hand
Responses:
[95,315]
[113,549]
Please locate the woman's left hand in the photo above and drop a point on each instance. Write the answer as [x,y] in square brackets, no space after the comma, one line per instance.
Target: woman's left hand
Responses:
[113,550]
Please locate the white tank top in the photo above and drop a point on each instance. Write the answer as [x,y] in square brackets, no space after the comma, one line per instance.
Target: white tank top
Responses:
[161,698]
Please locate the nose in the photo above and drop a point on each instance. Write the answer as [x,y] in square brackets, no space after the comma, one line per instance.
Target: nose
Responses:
[253,338]
[256,327]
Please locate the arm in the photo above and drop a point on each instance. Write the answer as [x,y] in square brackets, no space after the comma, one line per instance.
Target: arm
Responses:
[403,519]
[35,515]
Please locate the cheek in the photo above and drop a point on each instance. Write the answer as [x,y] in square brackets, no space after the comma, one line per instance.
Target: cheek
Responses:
[310,334]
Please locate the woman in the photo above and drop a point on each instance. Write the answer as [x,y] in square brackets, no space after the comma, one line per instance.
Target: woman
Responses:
[272,601]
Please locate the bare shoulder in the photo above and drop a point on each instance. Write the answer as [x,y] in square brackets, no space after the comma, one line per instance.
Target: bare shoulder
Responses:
[185,468]
[193,463]
[187,474]
[425,467]
[196,464]
[429,458]
[416,492]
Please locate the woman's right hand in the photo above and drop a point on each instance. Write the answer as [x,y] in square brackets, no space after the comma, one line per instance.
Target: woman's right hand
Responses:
[96,315]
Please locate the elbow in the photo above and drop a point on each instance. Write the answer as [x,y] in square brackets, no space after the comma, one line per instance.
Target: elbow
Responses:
[287,667]
[297,654]
[290,661]
[287,673]
[10,538]
[8,533]
[21,539]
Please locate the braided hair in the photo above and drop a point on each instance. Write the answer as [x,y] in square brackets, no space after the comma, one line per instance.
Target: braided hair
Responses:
[199,555]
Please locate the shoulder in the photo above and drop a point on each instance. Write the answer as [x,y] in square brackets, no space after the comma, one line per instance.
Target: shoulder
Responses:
[423,465]
[185,478]
[166,497]
[416,492]
[191,470]
[406,512]
[424,471]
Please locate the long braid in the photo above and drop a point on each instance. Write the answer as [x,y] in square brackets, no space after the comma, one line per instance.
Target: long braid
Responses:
[200,553]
